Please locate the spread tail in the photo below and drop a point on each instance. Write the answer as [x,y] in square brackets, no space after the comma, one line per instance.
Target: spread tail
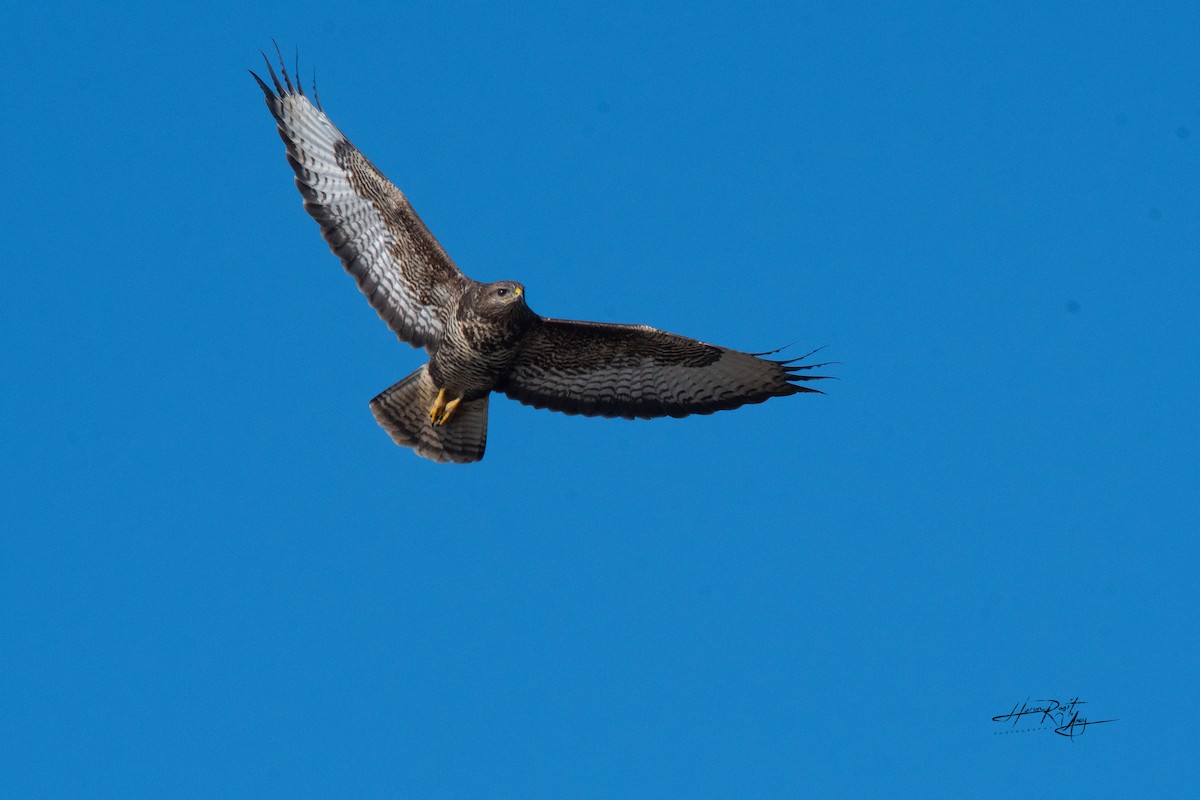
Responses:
[403,411]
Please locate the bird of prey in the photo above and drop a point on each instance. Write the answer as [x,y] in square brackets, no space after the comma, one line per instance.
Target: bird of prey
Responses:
[483,337]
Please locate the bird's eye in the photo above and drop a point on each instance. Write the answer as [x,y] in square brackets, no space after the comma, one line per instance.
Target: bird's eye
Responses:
[502,292]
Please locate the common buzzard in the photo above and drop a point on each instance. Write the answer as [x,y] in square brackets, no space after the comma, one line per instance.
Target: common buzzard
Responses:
[484,337]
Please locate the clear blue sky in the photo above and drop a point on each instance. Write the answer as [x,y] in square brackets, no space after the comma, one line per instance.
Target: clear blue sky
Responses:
[219,578]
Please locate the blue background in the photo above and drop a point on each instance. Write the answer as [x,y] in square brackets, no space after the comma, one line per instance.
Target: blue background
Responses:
[220,578]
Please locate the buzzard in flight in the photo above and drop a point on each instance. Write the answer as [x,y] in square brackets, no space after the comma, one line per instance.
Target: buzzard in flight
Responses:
[483,337]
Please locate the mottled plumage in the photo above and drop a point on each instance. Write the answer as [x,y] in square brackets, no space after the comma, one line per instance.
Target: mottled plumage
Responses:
[484,337]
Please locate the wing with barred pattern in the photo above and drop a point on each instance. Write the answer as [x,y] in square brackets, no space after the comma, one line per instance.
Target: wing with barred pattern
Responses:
[368,222]
[605,370]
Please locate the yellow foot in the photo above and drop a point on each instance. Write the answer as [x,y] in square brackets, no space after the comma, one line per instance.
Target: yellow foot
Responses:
[438,405]
[442,411]
[448,411]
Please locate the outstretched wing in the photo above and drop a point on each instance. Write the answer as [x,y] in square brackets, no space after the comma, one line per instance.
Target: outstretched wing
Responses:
[602,370]
[368,223]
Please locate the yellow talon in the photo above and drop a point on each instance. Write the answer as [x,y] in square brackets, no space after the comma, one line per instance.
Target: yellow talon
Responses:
[448,411]
[441,411]
[438,405]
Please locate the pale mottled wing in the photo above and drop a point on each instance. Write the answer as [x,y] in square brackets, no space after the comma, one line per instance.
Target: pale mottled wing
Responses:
[603,370]
[369,224]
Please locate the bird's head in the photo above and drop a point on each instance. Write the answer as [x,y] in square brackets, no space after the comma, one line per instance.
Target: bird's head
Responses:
[505,292]
[499,301]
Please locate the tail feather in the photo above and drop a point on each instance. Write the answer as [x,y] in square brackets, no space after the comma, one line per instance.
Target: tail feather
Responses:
[403,411]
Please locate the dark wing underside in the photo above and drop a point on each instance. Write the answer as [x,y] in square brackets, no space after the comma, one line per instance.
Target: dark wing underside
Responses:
[369,224]
[603,370]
